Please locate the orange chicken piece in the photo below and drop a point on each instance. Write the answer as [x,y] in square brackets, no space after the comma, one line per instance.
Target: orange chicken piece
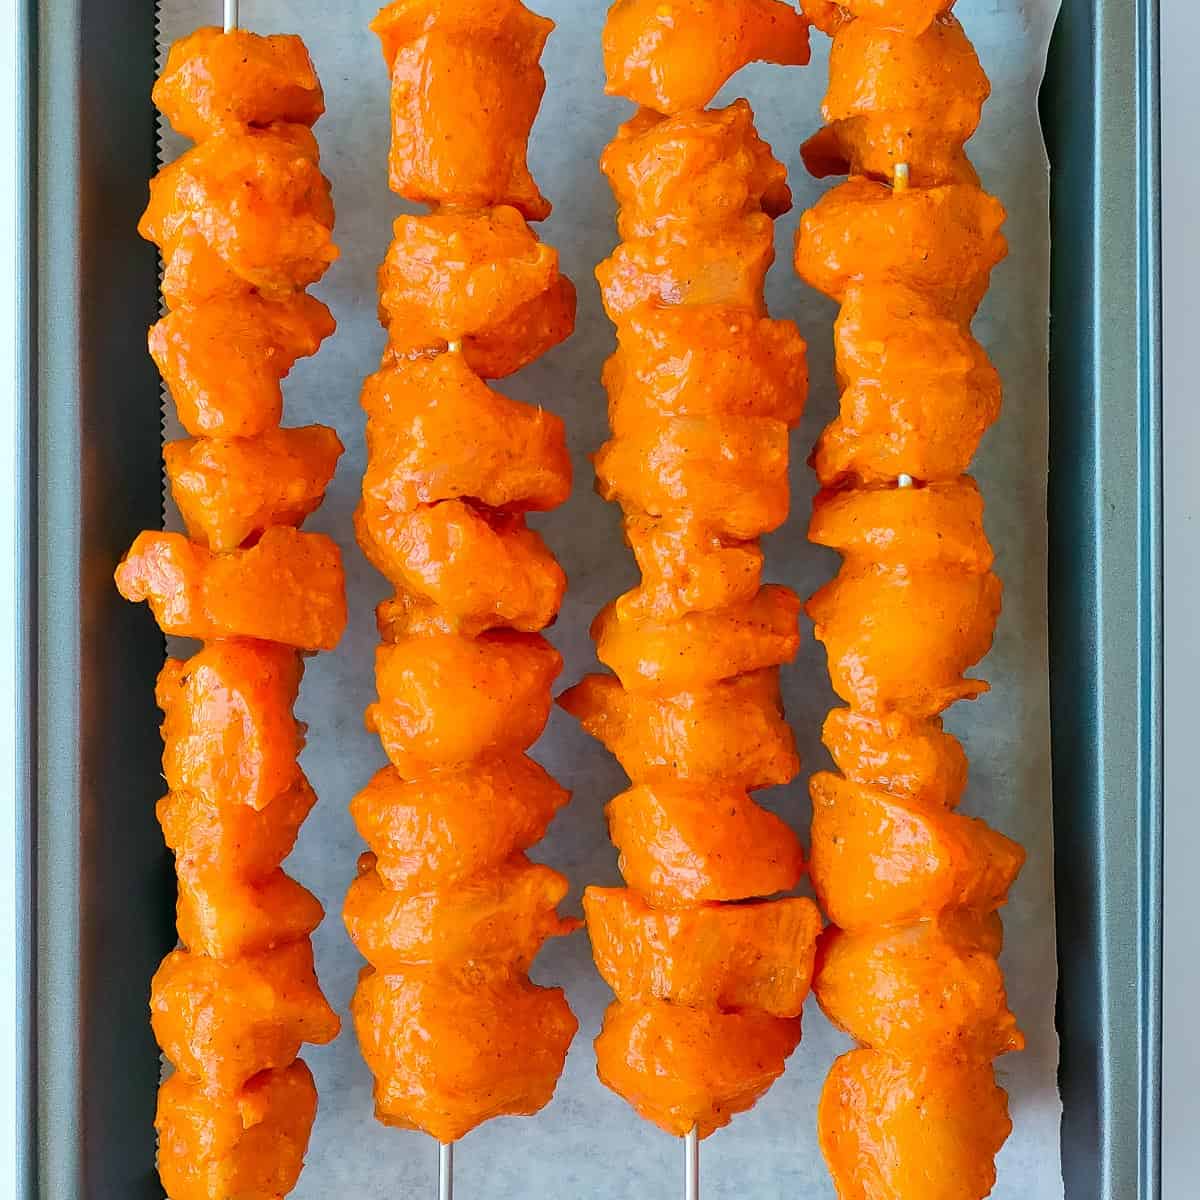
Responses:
[697,193]
[446,827]
[229,918]
[730,473]
[926,988]
[436,431]
[230,490]
[226,1021]
[732,957]
[215,81]
[912,17]
[727,268]
[701,648]
[704,361]
[936,526]
[905,756]
[524,335]
[453,275]
[512,341]
[881,860]
[690,172]
[687,567]
[686,1068]
[677,55]
[927,1129]
[426,684]
[240,211]
[733,731]
[504,914]
[449,1053]
[940,243]
[691,843]
[483,569]
[286,588]
[916,560]
[919,392]
[251,1145]
[228,730]
[232,839]
[223,360]
[465,75]
[893,98]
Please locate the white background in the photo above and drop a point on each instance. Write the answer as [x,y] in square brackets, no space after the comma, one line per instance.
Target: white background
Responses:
[1181,187]
[1181,321]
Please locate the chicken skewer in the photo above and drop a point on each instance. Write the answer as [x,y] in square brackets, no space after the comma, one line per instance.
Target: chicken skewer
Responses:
[703,389]
[447,909]
[243,223]
[908,966]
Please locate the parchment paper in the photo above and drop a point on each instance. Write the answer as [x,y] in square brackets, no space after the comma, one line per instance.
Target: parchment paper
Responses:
[588,1144]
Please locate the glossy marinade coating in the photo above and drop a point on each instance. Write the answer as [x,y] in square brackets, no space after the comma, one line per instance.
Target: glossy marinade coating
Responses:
[703,391]
[447,909]
[909,966]
[243,221]
[908,16]
[288,587]
[674,55]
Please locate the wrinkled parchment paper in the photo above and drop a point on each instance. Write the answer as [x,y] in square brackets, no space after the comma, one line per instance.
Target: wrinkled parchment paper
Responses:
[588,1145]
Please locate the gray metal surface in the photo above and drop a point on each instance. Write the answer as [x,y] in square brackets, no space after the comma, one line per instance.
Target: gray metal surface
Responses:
[99,872]
[96,874]
[1105,590]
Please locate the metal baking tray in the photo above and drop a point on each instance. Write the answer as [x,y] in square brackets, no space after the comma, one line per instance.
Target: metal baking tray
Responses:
[93,928]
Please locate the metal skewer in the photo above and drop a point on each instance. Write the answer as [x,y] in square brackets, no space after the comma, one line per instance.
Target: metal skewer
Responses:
[231,15]
[691,1164]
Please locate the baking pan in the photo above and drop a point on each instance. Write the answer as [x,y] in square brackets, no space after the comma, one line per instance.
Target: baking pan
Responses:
[97,887]
[1106,589]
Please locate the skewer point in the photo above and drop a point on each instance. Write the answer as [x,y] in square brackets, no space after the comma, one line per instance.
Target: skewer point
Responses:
[904,481]
[900,177]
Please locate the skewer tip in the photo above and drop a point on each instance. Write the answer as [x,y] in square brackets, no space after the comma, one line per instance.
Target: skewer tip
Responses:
[900,177]
[904,481]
